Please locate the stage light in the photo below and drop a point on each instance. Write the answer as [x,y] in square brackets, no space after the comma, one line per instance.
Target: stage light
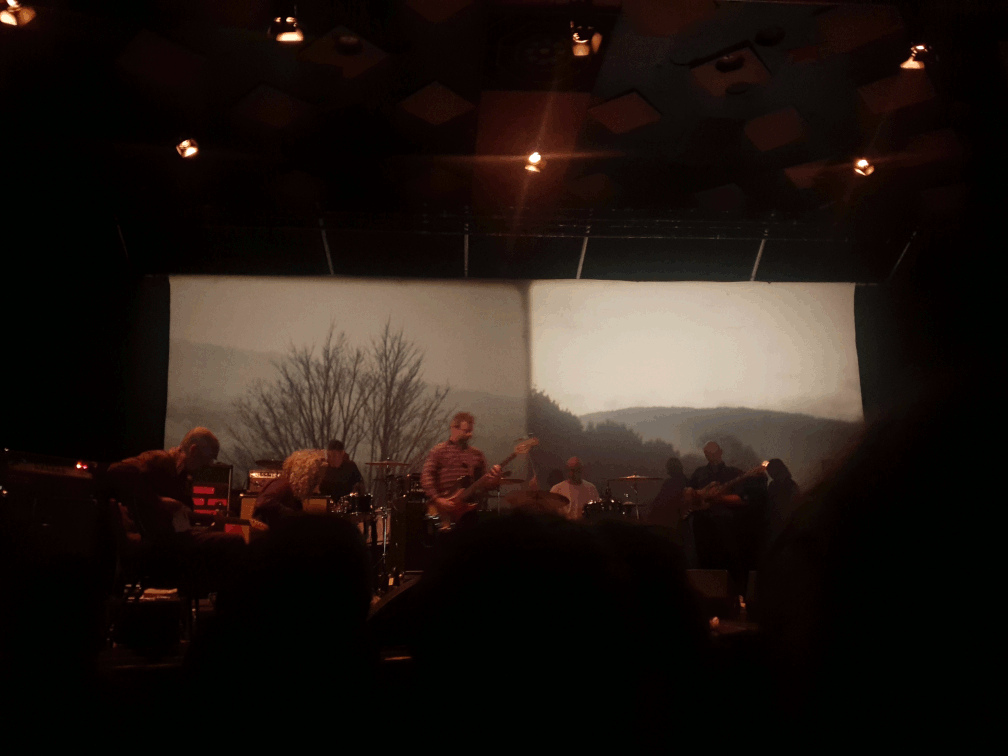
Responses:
[862,167]
[285,29]
[584,40]
[349,44]
[187,148]
[534,163]
[914,62]
[580,41]
[16,14]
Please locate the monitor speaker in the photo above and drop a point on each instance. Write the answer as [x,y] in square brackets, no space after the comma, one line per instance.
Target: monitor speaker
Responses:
[716,591]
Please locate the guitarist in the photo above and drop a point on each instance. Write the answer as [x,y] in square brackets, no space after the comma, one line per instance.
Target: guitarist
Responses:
[451,460]
[721,533]
[715,471]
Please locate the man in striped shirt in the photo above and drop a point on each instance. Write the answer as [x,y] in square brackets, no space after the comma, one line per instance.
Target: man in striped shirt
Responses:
[451,460]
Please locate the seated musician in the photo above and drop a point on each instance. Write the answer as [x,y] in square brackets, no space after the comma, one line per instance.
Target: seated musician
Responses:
[302,471]
[156,489]
[576,490]
[451,464]
[342,476]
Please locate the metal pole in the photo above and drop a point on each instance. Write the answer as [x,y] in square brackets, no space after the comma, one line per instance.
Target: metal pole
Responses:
[325,244]
[122,241]
[759,256]
[893,271]
[584,248]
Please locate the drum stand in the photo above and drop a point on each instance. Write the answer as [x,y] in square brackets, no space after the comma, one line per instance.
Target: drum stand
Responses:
[636,496]
[382,573]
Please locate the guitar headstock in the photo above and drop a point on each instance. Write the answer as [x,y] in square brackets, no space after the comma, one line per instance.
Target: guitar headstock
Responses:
[523,447]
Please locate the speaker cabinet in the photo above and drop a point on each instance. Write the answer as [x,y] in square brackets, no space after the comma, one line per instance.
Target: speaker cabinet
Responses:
[716,591]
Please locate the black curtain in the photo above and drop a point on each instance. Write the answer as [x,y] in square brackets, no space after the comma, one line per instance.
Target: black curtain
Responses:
[86,364]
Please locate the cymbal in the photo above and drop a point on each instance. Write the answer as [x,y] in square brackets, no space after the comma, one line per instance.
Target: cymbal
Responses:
[637,477]
[387,463]
[542,500]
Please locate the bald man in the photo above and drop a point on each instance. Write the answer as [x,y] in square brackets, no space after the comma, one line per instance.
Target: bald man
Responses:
[578,491]
[715,471]
[723,534]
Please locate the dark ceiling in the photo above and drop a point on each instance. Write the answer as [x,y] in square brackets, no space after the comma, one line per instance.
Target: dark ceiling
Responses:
[696,130]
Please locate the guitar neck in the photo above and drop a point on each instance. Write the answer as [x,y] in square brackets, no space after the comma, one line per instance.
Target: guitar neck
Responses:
[722,488]
[477,484]
[508,459]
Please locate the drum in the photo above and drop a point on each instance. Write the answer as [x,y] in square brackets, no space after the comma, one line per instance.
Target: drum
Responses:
[352,504]
[317,504]
[592,509]
[607,508]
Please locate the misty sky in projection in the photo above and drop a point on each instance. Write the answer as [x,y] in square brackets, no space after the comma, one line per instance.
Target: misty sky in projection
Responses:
[601,345]
[229,333]
[472,334]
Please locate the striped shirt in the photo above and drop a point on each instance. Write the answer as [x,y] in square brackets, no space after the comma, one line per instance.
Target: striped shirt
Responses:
[446,463]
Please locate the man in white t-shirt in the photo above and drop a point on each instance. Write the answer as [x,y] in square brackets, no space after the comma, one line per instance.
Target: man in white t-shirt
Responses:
[579,492]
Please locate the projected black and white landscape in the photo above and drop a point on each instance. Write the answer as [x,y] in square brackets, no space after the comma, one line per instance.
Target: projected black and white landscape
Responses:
[622,374]
[275,365]
[654,369]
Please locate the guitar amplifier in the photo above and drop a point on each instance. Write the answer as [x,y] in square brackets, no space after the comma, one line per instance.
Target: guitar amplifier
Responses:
[316,504]
[51,510]
[246,506]
[212,492]
[258,479]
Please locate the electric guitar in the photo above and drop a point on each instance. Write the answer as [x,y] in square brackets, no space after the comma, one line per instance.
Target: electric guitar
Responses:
[462,499]
[697,499]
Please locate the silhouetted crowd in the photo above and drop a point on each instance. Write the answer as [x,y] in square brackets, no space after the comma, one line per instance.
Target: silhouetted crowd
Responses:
[531,624]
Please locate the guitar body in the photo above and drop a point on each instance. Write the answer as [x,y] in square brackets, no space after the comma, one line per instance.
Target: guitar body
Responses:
[469,494]
[714,493]
[467,497]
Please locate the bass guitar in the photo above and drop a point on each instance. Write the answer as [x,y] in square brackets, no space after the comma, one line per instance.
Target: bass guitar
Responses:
[697,499]
[462,501]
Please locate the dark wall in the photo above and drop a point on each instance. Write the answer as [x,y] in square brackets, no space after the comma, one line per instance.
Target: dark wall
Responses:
[86,364]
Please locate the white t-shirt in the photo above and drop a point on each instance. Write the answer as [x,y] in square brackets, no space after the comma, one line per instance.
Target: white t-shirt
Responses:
[578,495]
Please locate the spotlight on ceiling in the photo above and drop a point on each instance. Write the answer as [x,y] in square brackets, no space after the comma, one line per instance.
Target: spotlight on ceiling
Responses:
[16,14]
[862,167]
[187,148]
[534,163]
[285,29]
[914,62]
[584,40]
[349,44]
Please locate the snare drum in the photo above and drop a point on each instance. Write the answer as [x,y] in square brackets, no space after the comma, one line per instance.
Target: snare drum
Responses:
[353,504]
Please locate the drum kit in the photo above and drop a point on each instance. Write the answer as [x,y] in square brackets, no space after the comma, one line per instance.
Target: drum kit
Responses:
[608,506]
[399,508]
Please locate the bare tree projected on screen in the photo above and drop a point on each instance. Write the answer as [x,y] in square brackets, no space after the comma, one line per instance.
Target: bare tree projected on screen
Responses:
[372,398]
